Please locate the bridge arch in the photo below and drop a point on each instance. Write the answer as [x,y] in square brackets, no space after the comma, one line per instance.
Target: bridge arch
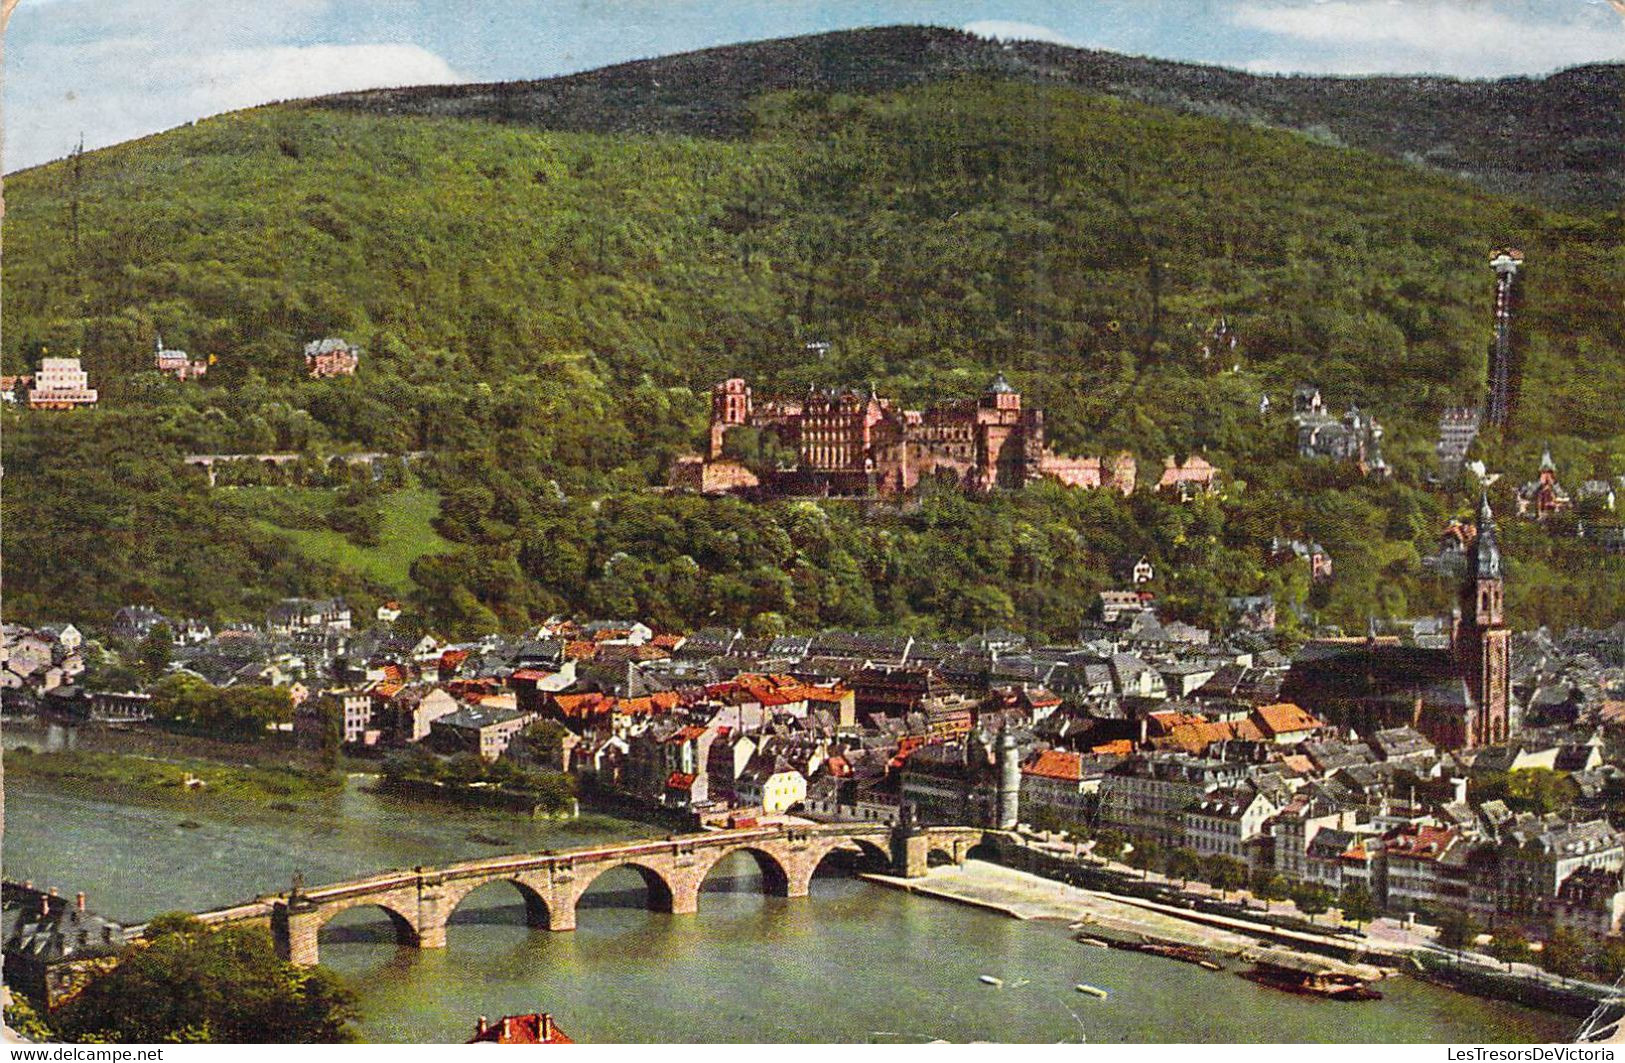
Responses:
[776,877]
[870,854]
[663,892]
[538,912]
[405,925]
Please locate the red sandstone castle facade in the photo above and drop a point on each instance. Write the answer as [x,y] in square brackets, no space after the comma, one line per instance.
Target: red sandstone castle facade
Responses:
[848,443]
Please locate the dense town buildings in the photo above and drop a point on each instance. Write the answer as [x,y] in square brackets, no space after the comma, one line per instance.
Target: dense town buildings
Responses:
[1213,742]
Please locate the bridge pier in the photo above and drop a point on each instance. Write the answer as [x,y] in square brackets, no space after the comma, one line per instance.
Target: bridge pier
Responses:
[432,915]
[294,931]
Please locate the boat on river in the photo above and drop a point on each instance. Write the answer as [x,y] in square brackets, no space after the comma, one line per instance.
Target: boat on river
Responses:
[1307,977]
[1091,990]
[1183,953]
[1094,943]
[996,983]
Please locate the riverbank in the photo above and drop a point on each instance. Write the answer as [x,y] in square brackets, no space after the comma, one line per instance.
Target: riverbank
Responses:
[1022,895]
[179,781]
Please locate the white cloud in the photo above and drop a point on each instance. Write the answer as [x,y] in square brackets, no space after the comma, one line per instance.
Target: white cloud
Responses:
[1439,36]
[243,77]
[113,90]
[1001,30]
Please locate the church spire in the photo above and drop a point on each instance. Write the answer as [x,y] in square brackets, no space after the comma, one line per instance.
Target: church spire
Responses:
[1486,554]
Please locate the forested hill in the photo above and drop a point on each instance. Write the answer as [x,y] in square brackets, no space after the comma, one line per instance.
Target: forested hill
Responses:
[1558,140]
[543,311]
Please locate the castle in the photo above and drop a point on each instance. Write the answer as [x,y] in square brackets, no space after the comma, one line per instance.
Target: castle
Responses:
[853,444]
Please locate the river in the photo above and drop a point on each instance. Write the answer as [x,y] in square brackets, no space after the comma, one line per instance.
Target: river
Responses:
[855,962]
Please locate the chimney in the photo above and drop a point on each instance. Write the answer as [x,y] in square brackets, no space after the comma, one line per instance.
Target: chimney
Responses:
[507,1021]
[79,900]
[481,1026]
[1461,790]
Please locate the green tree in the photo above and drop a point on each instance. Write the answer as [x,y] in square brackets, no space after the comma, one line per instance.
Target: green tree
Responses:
[1357,904]
[1312,899]
[1146,856]
[1608,961]
[1109,844]
[1224,873]
[153,655]
[330,731]
[1510,946]
[1458,930]
[21,1017]
[1563,954]
[189,982]
[1269,886]
[1184,864]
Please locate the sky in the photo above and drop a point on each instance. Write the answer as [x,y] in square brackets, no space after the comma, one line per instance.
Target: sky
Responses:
[113,70]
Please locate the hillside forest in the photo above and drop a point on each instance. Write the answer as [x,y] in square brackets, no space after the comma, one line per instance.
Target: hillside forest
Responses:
[543,313]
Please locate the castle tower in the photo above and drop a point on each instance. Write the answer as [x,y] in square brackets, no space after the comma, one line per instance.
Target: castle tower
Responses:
[1483,644]
[1498,406]
[730,406]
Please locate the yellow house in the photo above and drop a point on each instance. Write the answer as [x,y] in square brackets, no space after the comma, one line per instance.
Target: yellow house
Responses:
[774,787]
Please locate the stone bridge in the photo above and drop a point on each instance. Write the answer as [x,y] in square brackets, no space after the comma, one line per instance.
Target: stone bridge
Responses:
[420,901]
[207,462]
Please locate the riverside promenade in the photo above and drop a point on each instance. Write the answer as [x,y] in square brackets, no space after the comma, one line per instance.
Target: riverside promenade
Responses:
[1022,895]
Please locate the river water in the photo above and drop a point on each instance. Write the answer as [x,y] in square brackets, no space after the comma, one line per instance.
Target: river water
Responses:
[854,962]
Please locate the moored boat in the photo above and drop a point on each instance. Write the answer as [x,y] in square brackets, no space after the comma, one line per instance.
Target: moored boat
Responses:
[1091,990]
[1302,975]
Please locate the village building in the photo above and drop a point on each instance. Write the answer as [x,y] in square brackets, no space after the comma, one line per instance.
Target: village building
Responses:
[13,387]
[331,357]
[537,1028]
[486,729]
[177,363]
[56,949]
[1286,551]
[1356,437]
[1543,496]
[1228,821]
[61,384]
[293,615]
[1058,780]
[1195,476]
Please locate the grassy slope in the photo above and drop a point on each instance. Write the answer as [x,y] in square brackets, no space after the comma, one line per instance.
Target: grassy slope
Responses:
[405,534]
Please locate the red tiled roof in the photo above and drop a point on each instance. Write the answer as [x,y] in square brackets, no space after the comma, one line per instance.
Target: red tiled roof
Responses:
[532,675]
[1055,764]
[681,780]
[1424,843]
[1285,718]
[582,705]
[523,1030]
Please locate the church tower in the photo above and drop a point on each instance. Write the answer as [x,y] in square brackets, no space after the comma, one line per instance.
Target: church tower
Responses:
[1483,643]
